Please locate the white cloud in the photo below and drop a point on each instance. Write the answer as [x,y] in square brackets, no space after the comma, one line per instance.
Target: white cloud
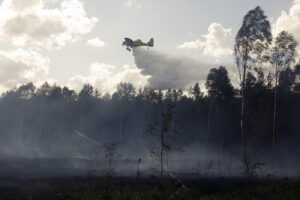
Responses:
[215,43]
[19,67]
[95,42]
[289,21]
[191,45]
[32,23]
[20,5]
[106,77]
[133,3]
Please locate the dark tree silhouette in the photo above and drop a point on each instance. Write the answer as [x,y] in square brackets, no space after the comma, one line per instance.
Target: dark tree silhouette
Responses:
[252,39]
[163,128]
[218,84]
[282,55]
[219,91]
[41,121]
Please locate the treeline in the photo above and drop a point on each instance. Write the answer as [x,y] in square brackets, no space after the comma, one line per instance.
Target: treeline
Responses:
[43,120]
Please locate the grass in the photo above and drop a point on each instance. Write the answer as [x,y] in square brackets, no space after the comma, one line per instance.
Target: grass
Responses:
[149,189]
[276,191]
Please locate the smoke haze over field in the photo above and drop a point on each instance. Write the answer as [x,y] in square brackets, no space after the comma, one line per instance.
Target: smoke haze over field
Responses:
[169,71]
[110,113]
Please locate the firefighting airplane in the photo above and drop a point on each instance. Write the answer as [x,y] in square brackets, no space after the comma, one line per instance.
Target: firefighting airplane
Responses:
[129,43]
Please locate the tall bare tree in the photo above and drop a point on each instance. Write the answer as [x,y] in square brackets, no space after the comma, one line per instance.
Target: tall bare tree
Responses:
[252,40]
[282,54]
[163,128]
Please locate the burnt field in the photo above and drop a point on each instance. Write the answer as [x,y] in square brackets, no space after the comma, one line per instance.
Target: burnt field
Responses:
[148,188]
[207,109]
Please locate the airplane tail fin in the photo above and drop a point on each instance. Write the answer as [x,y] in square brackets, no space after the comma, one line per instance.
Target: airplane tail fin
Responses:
[151,42]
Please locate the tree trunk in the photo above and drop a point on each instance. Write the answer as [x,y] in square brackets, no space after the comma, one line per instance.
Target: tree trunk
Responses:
[242,118]
[121,129]
[274,118]
[141,135]
[161,156]
[209,121]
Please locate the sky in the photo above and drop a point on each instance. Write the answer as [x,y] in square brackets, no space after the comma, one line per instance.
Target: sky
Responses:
[74,42]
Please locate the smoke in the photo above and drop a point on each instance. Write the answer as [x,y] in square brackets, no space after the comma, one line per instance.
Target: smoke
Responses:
[169,71]
[87,138]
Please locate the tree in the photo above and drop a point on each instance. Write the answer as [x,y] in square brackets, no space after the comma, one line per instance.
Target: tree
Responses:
[197,96]
[163,128]
[86,93]
[68,95]
[26,91]
[125,91]
[297,77]
[196,92]
[218,84]
[252,40]
[282,54]
[44,90]
[218,88]
[286,82]
[111,155]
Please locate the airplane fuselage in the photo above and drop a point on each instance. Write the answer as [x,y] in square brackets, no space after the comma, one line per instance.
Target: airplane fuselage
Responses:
[129,43]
